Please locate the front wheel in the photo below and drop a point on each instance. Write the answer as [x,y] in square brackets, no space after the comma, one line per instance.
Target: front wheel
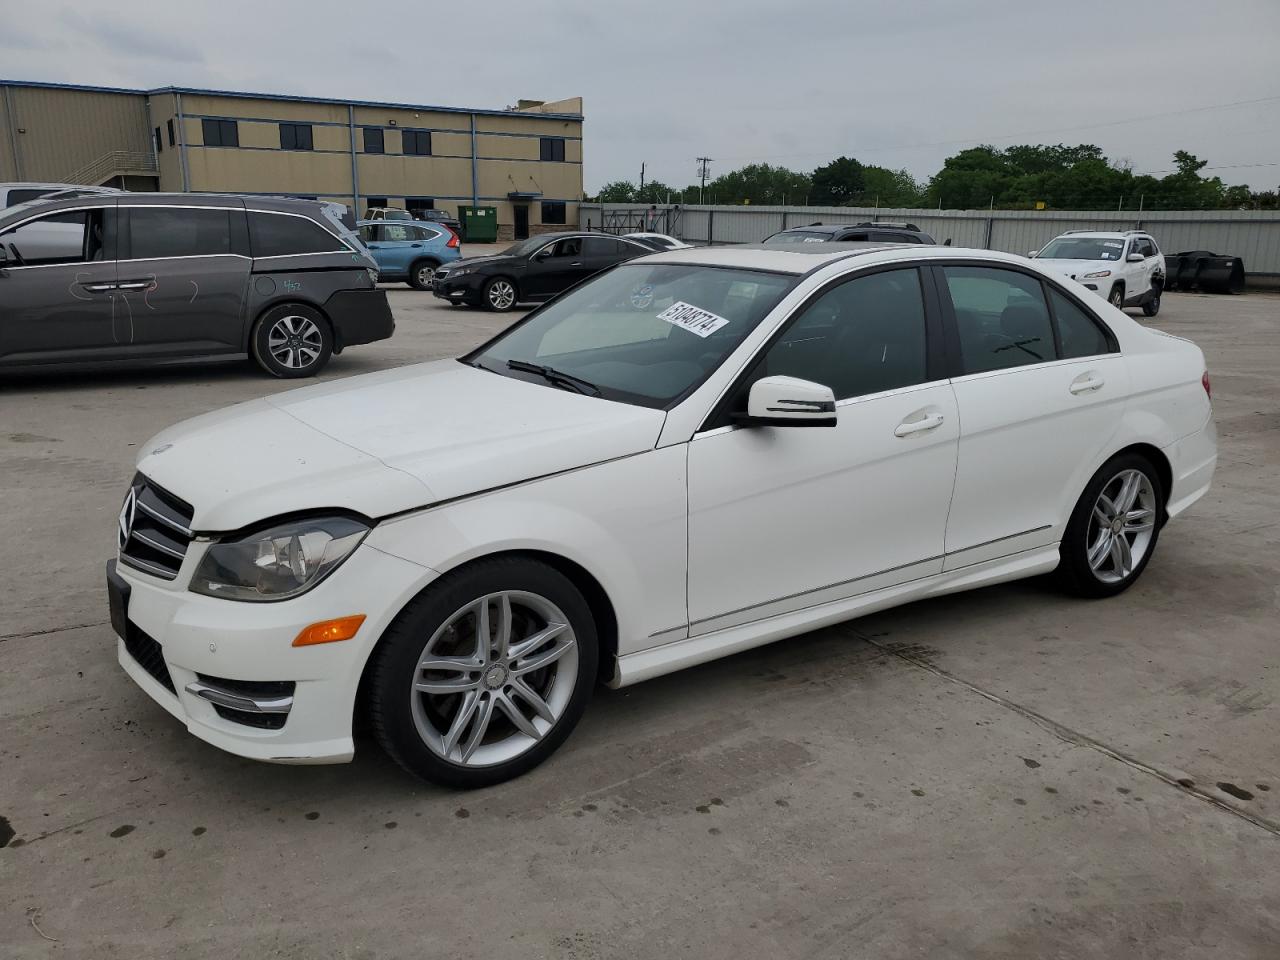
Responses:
[499,295]
[291,341]
[1152,306]
[1116,299]
[1113,529]
[483,676]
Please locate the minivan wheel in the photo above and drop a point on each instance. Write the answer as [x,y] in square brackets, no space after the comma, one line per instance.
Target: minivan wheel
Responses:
[422,274]
[1117,297]
[499,295]
[485,674]
[1113,530]
[292,340]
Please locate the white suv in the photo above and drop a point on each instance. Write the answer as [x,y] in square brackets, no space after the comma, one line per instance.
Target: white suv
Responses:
[1127,268]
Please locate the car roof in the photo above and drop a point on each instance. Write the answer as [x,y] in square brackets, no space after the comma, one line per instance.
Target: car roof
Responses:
[804,258]
[383,223]
[1104,234]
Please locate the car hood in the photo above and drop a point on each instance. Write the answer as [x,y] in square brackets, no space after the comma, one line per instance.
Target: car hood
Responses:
[1078,268]
[481,261]
[387,442]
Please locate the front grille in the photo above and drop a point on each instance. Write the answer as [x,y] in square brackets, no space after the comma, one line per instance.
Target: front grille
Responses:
[150,657]
[154,529]
[441,274]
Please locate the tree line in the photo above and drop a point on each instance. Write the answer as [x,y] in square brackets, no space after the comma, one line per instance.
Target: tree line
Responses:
[1028,177]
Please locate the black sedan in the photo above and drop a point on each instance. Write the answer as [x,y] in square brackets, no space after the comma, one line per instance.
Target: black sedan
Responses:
[533,270]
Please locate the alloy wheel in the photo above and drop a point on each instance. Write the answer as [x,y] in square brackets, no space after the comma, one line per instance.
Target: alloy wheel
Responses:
[1121,526]
[502,295]
[494,678]
[426,276]
[1117,298]
[295,342]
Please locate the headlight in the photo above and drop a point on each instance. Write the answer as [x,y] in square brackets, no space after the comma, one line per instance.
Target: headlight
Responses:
[278,563]
[373,276]
[1096,275]
[460,271]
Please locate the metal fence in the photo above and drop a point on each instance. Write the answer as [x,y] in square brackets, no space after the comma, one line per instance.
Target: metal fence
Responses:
[1253,235]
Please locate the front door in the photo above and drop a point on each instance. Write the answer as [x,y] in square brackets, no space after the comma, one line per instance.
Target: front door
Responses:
[1037,411]
[57,289]
[784,518]
[184,273]
[554,268]
[521,211]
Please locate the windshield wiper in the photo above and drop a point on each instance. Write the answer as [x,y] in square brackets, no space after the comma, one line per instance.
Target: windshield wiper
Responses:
[556,377]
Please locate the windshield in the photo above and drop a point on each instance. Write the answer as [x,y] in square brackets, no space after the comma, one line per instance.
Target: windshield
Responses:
[798,236]
[1082,248]
[642,333]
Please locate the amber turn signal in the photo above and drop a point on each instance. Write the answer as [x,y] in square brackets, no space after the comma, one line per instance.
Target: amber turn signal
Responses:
[328,631]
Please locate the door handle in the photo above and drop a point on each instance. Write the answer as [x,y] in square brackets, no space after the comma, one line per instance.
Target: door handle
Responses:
[1086,383]
[908,427]
[98,287]
[576,263]
[416,246]
[133,285]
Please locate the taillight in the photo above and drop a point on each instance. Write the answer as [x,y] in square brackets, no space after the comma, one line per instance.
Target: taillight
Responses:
[453,239]
[1204,382]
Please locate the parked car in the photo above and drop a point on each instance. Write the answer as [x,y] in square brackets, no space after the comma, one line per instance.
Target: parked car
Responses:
[439,216]
[107,278]
[657,241]
[533,270]
[409,251]
[687,456]
[1126,267]
[877,231]
[387,213]
[11,194]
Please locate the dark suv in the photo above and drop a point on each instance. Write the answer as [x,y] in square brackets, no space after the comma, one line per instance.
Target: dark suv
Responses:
[877,231]
[92,280]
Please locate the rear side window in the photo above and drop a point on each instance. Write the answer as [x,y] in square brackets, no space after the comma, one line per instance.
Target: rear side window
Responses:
[283,235]
[162,232]
[397,232]
[1079,333]
[1001,317]
[600,247]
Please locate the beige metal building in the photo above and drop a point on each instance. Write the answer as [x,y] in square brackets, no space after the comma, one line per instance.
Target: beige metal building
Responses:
[525,161]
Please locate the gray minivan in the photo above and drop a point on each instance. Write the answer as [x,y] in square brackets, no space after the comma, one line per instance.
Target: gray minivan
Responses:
[97,280]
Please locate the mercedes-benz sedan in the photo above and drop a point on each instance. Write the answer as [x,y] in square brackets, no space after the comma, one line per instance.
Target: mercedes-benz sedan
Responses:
[692,454]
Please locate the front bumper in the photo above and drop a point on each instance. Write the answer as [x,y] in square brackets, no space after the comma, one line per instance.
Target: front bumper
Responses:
[359,316]
[209,649]
[464,289]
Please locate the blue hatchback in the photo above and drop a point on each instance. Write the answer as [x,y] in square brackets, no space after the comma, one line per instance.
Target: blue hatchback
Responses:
[409,250]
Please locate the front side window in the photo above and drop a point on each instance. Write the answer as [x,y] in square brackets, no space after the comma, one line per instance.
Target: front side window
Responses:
[156,232]
[1144,246]
[1082,248]
[295,136]
[864,336]
[1080,334]
[368,233]
[553,211]
[73,237]
[551,149]
[416,142]
[568,247]
[373,140]
[1001,318]
[642,333]
[283,235]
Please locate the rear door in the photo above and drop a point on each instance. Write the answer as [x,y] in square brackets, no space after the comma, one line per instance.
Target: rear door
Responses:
[183,274]
[57,288]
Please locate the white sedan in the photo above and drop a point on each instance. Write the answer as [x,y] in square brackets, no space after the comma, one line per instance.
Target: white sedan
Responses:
[692,454]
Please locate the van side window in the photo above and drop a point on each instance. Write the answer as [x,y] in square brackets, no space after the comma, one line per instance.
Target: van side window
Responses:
[73,237]
[282,235]
[156,232]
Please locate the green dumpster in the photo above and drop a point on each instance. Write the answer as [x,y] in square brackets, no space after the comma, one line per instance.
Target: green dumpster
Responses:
[479,224]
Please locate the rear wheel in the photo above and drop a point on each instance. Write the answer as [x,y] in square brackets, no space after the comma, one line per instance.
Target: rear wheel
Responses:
[1113,529]
[499,295]
[482,677]
[1116,299]
[292,340]
[422,274]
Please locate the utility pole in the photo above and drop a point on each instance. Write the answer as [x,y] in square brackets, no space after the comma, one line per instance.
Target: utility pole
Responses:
[704,166]
[641,177]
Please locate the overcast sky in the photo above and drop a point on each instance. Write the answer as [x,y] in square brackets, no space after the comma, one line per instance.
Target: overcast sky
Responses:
[901,84]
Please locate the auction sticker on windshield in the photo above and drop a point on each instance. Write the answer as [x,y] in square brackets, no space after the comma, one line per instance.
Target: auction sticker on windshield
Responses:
[697,321]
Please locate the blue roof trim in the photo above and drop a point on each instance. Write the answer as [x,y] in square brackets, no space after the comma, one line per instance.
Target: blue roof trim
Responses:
[196,91]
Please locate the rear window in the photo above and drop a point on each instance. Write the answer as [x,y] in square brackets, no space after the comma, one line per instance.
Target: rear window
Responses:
[283,234]
[156,232]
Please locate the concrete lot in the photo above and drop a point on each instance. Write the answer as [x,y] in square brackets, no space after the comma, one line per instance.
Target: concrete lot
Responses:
[1002,774]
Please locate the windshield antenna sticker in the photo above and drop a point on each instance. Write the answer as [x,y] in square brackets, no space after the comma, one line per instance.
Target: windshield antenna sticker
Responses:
[697,321]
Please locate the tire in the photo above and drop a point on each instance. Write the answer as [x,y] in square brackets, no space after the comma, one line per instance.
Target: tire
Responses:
[499,295]
[1152,306]
[1116,298]
[1087,567]
[292,340]
[422,274]
[420,729]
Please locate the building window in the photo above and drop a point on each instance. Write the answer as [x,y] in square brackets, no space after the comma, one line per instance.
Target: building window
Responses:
[552,149]
[295,136]
[159,141]
[553,210]
[416,142]
[221,133]
[169,124]
[373,140]
[414,204]
[374,203]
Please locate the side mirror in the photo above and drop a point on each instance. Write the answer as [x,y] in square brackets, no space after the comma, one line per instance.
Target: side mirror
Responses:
[788,402]
[1135,258]
[543,254]
[1032,253]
